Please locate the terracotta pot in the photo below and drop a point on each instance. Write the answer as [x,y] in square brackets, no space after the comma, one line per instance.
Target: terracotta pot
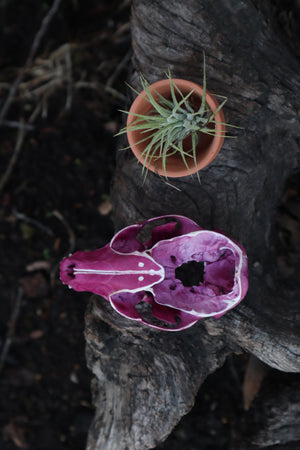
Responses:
[208,147]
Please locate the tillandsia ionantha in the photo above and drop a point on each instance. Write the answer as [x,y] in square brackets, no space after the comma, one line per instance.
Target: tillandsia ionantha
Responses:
[132,273]
[174,125]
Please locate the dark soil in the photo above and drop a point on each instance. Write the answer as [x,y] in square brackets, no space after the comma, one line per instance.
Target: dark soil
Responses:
[56,200]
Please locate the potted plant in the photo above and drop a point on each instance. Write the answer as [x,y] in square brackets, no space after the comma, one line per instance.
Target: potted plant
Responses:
[175,127]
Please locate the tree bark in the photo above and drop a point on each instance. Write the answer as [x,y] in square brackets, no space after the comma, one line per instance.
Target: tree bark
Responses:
[146,380]
[273,420]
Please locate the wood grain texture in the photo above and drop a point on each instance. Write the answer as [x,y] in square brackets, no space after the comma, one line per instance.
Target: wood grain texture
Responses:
[146,380]
[273,420]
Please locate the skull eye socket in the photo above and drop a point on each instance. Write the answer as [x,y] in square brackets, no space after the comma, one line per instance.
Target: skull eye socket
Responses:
[145,311]
[146,232]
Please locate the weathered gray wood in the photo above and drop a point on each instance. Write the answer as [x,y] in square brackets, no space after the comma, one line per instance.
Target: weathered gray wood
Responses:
[146,380]
[274,418]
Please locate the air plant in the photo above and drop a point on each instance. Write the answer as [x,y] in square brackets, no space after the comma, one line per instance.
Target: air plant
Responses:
[170,121]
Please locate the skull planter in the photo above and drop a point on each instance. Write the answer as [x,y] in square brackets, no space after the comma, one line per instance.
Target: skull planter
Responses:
[132,273]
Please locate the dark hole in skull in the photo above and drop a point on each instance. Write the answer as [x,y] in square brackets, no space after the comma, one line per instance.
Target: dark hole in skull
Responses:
[145,311]
[71,268]
[146,232]
[191,273]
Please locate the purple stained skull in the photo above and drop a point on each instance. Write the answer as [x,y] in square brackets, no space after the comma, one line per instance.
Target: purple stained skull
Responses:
[141,279]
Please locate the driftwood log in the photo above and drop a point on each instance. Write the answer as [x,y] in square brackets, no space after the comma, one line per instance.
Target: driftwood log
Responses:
[145,380]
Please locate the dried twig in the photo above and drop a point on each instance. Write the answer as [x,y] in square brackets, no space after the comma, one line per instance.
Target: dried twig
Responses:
[16,124]
[38,265]
[21,134]
[100,88]
[68,61]
[34,222]
[118,69]
[11,327]
[14,158]
[72,243]
[43,28]
[34,47]
[36,111]
[72,239]
[48,75]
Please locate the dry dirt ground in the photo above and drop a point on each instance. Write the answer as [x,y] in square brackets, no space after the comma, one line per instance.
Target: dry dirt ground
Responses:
[57,138]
